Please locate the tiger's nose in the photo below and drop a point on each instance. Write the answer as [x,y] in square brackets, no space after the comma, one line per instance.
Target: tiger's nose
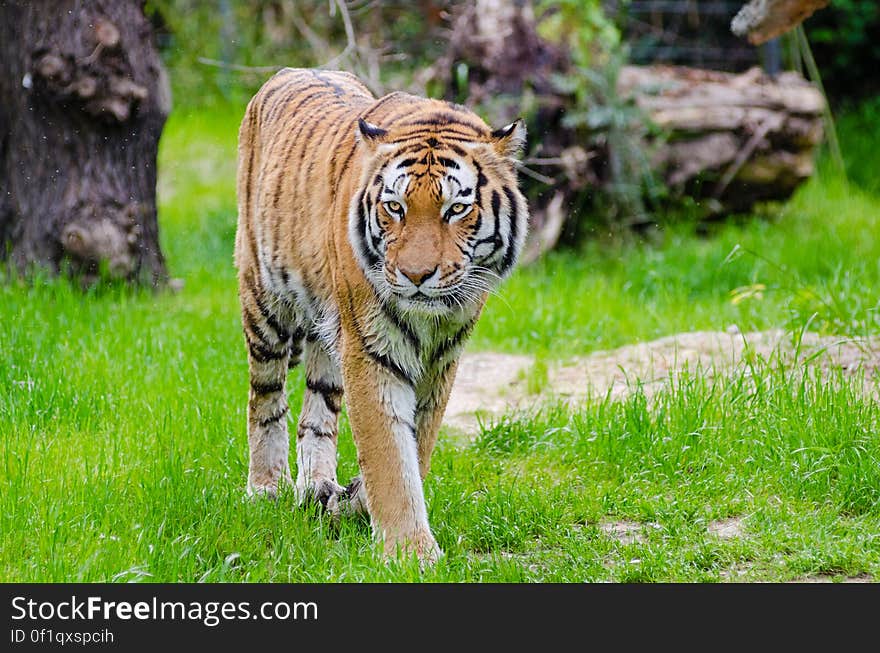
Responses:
[417,273]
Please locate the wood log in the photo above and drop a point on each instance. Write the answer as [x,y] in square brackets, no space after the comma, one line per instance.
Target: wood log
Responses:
[733,138]
[762,20]
[727,140]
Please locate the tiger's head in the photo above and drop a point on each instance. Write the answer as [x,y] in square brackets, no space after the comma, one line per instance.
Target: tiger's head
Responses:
[438,220]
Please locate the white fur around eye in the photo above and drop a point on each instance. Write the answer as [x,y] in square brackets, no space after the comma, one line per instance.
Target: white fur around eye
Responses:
[452,216]
[395,209]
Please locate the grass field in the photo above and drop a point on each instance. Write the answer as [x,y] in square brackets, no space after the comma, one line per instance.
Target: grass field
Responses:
[122,414]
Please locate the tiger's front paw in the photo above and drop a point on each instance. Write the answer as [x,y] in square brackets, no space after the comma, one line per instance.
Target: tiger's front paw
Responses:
[420,542]
[326,492]
[266,488]
[353,501]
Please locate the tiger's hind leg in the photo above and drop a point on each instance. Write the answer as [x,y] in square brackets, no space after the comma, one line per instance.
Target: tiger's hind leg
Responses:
[316,434]
[272,346]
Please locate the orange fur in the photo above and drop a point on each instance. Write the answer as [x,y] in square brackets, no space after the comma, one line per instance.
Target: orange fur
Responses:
[370,232]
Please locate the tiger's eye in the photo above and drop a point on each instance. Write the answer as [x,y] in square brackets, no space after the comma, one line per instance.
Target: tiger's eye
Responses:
[458,208]
[394,207]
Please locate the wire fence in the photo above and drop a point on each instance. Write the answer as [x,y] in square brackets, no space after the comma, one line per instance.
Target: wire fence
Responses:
[687,32]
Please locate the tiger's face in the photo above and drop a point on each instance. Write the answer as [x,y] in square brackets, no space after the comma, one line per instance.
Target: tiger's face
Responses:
[439,220]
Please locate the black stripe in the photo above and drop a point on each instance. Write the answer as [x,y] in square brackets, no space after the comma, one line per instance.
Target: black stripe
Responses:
[451,342]
[331,394]
[496,206]
[295,347]
[250,323]
[449,163]
[263,354]
[507,261]
[381,359]
[375,239]
[266,388]
[441,372]
[337,89]
[273,418]
[281,100]
[455,148]
[337,173]
[481,181]
[371,256]
[401,325]
[290,141]
[495,238]
[409,425]
[379,103]
[267,97]
[388,364]
[416,143]
[308,98]
[444,118]
[302,429]
[252,125]
[478,223]
[282,333]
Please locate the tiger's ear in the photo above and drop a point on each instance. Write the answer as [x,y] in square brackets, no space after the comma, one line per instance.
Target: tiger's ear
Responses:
[510,140]
[370,134]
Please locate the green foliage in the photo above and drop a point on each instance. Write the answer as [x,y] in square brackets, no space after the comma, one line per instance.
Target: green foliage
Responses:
[844,40]
[582,27]
[600,118]
[861,136]
[608,122]
[389,42]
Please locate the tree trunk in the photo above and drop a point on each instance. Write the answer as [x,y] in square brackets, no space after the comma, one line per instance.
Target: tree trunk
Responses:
[83,99]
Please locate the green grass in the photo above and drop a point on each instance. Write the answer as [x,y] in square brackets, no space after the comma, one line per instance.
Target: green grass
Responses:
[818,260]
[122,414]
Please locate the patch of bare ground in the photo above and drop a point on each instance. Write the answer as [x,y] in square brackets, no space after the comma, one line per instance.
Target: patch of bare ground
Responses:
[726,529]
[625,532]
[831,578]
[490,384]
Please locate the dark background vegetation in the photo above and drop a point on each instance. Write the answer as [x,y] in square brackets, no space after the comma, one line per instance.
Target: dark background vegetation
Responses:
[409,36]
[220,53]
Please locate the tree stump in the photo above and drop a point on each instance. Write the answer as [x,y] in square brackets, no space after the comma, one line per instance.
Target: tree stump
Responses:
[83,99]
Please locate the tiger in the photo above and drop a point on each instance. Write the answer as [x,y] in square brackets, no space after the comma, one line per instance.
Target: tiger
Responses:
[370,234]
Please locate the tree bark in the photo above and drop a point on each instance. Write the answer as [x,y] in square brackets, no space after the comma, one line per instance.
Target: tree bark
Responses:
[735,139]
[83,99]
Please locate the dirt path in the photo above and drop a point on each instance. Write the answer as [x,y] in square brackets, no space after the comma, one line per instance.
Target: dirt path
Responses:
[491,384]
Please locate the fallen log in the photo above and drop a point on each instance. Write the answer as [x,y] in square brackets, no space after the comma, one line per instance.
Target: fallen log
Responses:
[726,140]
[736,139]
